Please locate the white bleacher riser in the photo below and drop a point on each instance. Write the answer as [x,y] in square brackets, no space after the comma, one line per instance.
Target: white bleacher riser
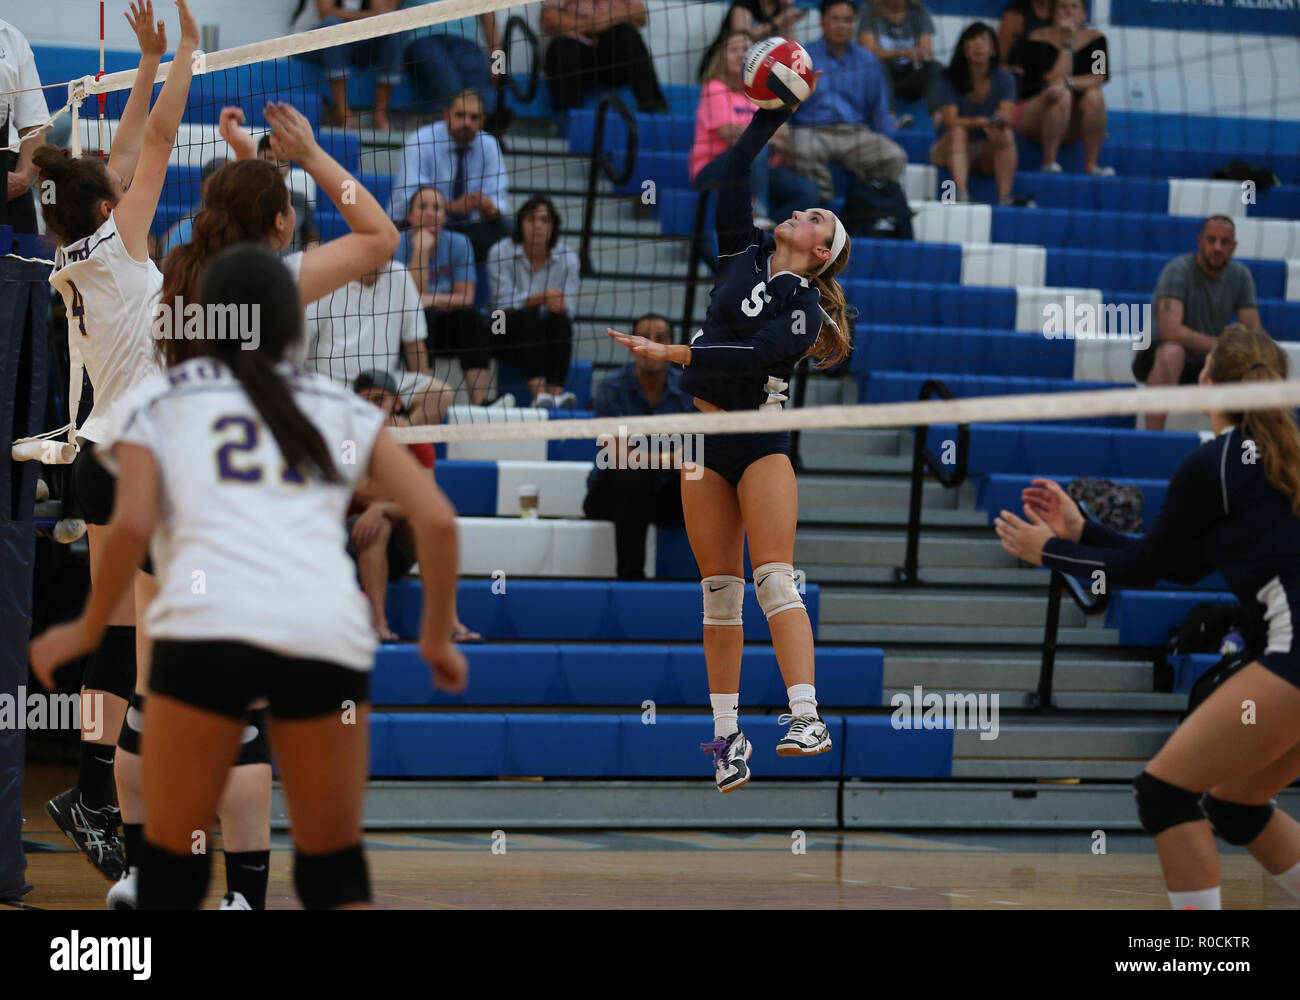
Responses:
[562,487]
[491,451]
[921,182]
[1293,281]
[1103,361]
[541,548]
[935,222]
[1032,306]
[1003,265]
[1268,239]
[1202,199]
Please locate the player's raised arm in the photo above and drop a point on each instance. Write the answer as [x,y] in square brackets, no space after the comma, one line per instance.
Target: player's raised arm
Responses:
[152,36]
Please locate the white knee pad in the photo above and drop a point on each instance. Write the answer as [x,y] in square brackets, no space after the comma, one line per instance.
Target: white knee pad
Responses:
[723,597]
[774,585]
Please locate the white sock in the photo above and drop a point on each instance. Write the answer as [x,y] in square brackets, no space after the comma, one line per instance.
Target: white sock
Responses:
[803,699]
[725,715]
[1289,880]
[1198,899]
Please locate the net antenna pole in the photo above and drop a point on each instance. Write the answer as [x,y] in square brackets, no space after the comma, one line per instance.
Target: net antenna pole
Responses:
[103,97]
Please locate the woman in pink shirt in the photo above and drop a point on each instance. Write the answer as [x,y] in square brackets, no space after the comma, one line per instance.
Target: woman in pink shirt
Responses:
[723,113]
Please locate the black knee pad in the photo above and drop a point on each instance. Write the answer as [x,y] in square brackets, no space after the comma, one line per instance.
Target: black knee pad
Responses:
[112,665]
[325,881]
[132,725]
[172,881]
[1235,823]
[254,748]
[1162,805]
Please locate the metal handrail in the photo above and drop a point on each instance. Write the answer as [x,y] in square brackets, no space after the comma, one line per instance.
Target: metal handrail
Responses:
[922,460]
[602,163]
[1087,602]
[523,96]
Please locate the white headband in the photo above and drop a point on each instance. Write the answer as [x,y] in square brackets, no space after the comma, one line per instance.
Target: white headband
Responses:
[837,244]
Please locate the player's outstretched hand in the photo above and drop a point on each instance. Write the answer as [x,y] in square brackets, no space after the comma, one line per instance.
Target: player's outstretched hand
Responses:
[56,646]
[1022,539]
[240,141]
[450,671]
[291,135]
[641,345]
[1053,507]
[151,34]
[189,26]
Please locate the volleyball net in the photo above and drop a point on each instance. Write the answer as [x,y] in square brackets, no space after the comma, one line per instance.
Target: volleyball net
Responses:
[599,128]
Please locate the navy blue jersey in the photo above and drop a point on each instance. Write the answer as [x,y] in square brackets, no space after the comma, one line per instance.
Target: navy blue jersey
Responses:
[758,324]
[1220,513]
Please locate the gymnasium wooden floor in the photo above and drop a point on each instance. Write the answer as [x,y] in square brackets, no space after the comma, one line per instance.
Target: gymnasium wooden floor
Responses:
[690,869]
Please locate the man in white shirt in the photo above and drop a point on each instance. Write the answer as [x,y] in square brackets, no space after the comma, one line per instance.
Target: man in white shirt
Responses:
[465,164]
[375,324]
[22,111]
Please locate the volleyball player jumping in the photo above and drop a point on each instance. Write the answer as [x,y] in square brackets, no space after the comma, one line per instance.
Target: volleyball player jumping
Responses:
[1234,506]
[774,302]
[101,215]
[245,467]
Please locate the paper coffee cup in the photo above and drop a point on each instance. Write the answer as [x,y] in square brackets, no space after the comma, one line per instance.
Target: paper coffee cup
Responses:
[529,497]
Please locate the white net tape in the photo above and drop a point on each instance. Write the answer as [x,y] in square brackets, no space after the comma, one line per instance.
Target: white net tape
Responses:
[974,410]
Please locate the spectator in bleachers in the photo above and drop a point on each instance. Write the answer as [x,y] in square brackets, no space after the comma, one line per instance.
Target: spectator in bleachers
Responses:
[1066,64]
[22,112]
[466,166]
[376,323]
[846,119]
[534,280]
[758,19]
[977,99]
[380,541]
[445,59]
[302,195]
[184,227]
[595,43]
[383,54]
[723,113]
[636,498]
[1020,19]
[1195,299]
[442,268]
[900,33]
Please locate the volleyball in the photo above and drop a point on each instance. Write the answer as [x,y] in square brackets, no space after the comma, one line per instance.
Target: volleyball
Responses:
[777,71]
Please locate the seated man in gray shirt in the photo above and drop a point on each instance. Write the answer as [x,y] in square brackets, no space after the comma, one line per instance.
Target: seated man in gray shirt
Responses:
[1195,298]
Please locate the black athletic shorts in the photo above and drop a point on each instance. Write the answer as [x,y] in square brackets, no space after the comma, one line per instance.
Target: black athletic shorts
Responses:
[226,677]
[1144,361]
[94,491]
[729,455]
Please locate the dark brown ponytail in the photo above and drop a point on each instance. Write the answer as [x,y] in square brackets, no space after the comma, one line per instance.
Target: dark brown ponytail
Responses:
[80,184]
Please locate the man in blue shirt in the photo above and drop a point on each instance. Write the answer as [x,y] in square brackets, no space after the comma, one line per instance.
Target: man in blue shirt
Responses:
[847,117]
[635,497]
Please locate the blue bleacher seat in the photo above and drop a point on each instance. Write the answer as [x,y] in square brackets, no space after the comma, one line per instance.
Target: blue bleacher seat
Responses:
[905,387]
[974,351]
[1144,617]
[1072,451]
[1189,667]
[927,304]
[873,748]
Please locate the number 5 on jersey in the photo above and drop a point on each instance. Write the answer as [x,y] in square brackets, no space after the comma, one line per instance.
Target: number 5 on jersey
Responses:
[758,298]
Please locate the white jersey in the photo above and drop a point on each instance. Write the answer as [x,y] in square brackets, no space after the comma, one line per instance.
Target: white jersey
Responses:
[358,328]
[245,551]
[110,299]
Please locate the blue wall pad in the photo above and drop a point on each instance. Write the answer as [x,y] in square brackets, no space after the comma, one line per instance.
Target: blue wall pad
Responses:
[1189,667]
[873,748]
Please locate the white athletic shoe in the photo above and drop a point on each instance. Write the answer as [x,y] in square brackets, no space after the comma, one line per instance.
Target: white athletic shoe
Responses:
[1052,168]
[544,401]
[729,756]
[234,901]
[69,530]
[807,735]
[505,402]
[1102,172]
[125,891]
[566,401]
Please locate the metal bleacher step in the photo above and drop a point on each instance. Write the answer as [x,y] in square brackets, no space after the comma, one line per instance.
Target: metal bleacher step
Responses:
[1066,737]
[819,492]
[1049,769]
[829,547]
[984,607]
[890,516]
[872,634]
[1099,672]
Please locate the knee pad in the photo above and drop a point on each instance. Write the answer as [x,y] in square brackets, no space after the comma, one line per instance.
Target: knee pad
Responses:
[325,881]
[774,586]
[253,745]
[723,597]
[112,665]
[1235,823]
[1162,805]
[132,725]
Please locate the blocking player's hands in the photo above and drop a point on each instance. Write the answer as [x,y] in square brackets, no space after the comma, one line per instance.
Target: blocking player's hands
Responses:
[450,670]
[1023,540]
[240,141]
[151,34]
[291,134]
[1054,508]
[189,27]
[56,646]
[643,346]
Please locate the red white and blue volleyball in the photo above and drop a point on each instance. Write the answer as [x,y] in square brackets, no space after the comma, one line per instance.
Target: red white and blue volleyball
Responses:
[777,70]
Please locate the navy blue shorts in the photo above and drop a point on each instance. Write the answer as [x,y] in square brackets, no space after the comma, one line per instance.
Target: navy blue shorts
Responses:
[729,455]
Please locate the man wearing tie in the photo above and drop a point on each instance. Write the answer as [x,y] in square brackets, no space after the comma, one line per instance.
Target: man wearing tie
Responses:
[463,162]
